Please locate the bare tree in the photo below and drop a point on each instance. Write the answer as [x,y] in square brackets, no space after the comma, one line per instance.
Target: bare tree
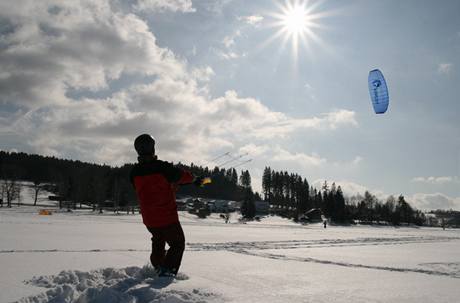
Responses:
[37,187]
[11,190]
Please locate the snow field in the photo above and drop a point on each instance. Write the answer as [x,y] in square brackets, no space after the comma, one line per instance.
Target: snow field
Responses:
[86,257]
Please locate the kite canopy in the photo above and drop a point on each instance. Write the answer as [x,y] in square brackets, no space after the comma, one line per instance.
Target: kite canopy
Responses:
[379,91]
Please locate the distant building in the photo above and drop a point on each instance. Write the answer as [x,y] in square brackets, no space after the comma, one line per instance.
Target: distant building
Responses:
[221,206]
[313,215]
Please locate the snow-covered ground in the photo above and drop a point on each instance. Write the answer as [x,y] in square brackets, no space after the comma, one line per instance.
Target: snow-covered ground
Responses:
[84,257]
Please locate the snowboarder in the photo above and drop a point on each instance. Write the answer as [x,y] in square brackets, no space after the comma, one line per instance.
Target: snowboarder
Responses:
[325,223]
[155,182]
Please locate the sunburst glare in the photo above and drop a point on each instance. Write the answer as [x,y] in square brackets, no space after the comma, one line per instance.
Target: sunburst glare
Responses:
[296,21]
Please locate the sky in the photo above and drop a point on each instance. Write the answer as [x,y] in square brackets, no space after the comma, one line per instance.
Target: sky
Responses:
[81,79]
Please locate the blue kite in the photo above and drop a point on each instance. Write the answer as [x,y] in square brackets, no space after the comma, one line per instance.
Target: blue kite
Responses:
[379,91]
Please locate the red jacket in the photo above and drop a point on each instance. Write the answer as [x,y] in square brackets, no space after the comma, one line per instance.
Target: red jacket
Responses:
[155,183]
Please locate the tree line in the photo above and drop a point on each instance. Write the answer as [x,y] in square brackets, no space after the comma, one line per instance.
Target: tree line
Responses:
[81,184]
[291,196]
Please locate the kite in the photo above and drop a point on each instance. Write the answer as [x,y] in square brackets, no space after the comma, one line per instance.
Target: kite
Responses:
[379,91]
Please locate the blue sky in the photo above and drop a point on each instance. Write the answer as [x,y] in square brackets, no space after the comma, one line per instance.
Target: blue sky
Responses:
[81,79]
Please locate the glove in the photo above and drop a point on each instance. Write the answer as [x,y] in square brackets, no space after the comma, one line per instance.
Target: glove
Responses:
[200,181]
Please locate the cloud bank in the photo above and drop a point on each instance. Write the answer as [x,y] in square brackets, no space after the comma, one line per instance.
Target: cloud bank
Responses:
[184,6]
[81,79]
[434,201]
[437,180]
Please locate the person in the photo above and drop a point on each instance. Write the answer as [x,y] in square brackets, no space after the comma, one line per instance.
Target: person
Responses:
[155,183]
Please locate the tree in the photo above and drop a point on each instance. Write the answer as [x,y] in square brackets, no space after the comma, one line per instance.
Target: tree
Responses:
[245,179]
[404,210]
[388,210]
[257,197]
[340,212]
[36,187]
[248,207]
[325,188]
[366,207]
[303,196]
[99,188]
[11,190]
[234,178]
[267,183]
[64,188]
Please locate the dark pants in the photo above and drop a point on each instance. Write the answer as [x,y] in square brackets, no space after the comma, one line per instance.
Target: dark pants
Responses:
[174,236]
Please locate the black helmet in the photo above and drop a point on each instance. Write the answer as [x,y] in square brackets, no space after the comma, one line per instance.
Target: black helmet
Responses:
[144,145]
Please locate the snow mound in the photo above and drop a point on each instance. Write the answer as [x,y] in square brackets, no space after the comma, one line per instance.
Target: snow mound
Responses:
[126,285]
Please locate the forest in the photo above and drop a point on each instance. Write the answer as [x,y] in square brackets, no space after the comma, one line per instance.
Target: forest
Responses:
[79,184]
[95,185]
[291,196]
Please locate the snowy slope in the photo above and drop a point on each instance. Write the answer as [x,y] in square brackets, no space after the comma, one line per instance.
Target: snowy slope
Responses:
[86,257]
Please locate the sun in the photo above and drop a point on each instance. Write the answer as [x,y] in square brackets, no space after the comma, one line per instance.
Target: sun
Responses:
[297,22]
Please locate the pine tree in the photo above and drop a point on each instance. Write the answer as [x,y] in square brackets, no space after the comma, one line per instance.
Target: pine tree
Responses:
[248,207]
[404,210]
[245,179]
[340,212]
[267,184]
[234,179]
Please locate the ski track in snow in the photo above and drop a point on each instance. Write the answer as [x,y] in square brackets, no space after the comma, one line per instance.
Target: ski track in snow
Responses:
[451,270]
[261,245]
[126,285]
[292,244]
[256,249]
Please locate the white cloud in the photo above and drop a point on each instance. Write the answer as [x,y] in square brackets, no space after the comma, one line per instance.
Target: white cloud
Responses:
[299,159]
[445,68]
[78,45]
[203,74]
[249,118]
[229,40]
[229,43]
[55,48]
[184,6]
[341,117]
[434,201]
[254,20]
[217,6]
[254,150]
[357,160]
[228,55]
[437,180]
